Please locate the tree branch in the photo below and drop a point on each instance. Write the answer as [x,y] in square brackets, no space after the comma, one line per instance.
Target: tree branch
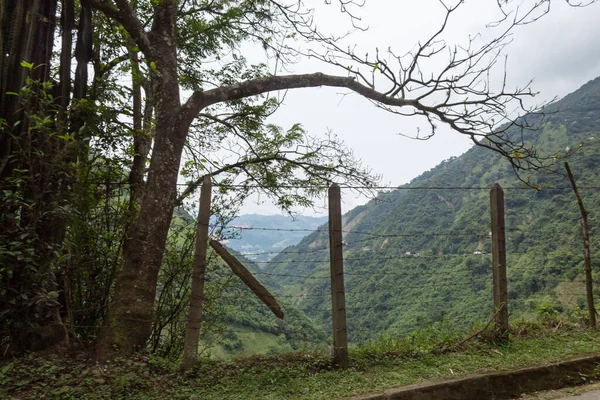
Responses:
[124,14]
[253,87]
[194,185]
[474,123]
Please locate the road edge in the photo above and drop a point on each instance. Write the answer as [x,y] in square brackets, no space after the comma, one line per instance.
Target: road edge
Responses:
[499,385]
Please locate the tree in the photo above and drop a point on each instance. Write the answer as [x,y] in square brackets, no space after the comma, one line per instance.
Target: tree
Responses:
[459,95]
[70,159]
[34,160]
[171,45]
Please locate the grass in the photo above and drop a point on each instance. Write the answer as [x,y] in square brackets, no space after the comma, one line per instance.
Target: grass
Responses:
[385,363]
[252,342]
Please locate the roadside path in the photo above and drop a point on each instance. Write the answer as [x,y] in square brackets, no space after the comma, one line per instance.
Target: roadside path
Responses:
[595,395]
[585,392]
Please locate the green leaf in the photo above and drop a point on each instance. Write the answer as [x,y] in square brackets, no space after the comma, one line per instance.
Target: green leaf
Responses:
[27,65]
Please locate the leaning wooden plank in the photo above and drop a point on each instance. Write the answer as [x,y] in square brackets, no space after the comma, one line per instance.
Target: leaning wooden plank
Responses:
[250,281]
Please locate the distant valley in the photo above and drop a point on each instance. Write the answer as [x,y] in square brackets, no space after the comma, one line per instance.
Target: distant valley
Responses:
[269,234]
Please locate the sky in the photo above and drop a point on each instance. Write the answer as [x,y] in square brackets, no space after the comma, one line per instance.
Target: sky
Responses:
[559,52]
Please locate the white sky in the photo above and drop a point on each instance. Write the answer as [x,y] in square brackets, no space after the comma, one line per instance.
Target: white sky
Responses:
[560,53]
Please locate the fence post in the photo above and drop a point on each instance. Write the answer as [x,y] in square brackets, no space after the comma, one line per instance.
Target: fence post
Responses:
[192,331]
[499,261]
[338,295]
[586,250]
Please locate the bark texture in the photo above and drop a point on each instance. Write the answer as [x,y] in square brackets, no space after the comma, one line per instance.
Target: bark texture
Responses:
[129,319]
[246,276]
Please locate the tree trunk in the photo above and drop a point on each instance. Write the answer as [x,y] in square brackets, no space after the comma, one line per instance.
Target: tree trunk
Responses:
[129,320]
[194,318]
[587,257]
[28,35]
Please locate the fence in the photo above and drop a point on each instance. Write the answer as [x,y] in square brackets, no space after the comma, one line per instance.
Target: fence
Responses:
[489,293]
[493,265]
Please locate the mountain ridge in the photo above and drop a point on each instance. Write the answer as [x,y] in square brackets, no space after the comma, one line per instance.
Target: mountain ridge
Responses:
[449,228]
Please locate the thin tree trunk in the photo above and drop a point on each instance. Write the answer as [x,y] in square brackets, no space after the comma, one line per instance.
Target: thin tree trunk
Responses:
[142,140]
[130,314]
[586,251]
[192,332]
[68,22]
[129,319]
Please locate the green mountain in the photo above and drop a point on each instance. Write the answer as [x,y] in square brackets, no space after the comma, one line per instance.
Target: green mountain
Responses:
[420,254]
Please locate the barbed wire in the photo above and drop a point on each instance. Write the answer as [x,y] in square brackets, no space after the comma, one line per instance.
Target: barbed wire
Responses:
[311,251]
[251,228]
[357,187]
[443,289]
[379,235]
[416,234]
[370,273]
[400,187]
[351,259]
[291,275]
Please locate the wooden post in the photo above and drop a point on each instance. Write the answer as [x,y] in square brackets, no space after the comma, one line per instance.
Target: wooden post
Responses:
[586,251]
[246,276]
[499,260]
[338,295]
[192,331]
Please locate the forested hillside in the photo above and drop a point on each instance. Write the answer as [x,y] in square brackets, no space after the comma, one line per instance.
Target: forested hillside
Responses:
[419,254]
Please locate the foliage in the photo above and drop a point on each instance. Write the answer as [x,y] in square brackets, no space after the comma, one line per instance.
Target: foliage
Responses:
[76,160]
[93,171]
[231,314]
[32,202]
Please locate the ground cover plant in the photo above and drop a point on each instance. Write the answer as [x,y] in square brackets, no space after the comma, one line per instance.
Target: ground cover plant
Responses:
[437,351]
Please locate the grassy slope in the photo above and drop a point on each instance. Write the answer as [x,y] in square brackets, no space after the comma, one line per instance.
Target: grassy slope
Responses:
[296,376]
[252,342]
[252,329]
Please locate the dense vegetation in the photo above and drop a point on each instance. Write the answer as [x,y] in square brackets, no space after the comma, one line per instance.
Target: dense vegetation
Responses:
[447,275]
[235,322]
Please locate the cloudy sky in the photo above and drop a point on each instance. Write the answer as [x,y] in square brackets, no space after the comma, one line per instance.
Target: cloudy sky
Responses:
[560,52]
